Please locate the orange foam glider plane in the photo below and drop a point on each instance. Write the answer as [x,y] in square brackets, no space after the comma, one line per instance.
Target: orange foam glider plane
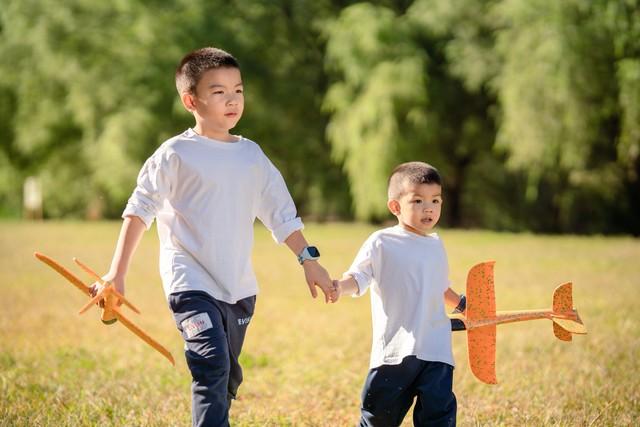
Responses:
[110,298]
[480,319]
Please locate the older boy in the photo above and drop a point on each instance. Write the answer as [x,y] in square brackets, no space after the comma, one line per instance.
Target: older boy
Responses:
[407,270]
[205,187]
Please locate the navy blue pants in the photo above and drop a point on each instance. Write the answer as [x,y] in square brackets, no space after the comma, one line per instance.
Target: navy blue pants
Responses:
[213,332]
[389,392]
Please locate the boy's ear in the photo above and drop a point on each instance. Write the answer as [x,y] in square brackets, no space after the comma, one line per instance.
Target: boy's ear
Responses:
[188,101]
[394,206]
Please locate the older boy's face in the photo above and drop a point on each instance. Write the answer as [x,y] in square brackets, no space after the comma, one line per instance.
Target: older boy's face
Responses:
[418,208]
[218,101]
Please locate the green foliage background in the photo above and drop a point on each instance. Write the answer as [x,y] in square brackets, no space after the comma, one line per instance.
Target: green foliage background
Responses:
[530,108]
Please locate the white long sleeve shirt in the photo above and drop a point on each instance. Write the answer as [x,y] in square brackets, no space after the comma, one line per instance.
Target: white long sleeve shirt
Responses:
[408,275]
[205,195]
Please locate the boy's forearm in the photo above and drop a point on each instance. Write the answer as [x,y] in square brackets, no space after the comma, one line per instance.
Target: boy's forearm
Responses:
[451,298]
[130,235]
[314,273]
[296,242]
[348,286]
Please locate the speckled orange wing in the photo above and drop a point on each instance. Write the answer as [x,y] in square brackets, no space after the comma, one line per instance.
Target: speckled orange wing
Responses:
[481,305]
[64,272]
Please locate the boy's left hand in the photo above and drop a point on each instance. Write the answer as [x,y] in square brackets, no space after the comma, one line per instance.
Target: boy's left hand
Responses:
[316,275]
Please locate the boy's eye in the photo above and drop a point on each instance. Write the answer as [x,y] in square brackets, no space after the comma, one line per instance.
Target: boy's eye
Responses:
[436,201]
[217,92]
[239,90]
[417,202]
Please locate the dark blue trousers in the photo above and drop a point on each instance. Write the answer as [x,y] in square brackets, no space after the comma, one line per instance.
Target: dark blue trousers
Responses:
[213,332]
[389,392]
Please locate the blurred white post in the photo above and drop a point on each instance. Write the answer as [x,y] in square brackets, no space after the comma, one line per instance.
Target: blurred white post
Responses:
[32,198]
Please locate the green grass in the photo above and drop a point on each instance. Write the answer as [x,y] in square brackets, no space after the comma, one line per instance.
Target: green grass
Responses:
[305,361]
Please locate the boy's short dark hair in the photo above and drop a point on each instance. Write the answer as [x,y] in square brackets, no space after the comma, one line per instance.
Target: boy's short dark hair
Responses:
[196,63]
[414,173]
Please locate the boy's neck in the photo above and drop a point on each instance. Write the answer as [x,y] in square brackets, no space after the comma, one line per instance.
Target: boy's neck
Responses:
[218,135]
[412,230]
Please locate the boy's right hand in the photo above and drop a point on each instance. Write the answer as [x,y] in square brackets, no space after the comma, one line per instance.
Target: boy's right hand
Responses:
[116,280]
[316,275]
[337,290]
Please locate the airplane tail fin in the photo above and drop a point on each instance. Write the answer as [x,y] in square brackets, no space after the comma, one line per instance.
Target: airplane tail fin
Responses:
[565,319]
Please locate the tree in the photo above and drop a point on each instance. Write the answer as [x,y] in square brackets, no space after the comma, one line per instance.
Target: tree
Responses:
[565,81]
[396,100]
[99,97]
[554,84]
[82,82]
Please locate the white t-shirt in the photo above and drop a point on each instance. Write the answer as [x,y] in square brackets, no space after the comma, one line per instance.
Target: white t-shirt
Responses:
[205,195]
[408,275]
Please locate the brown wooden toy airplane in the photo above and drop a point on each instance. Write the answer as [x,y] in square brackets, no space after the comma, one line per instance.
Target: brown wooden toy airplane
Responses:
[110,298]
[480,319]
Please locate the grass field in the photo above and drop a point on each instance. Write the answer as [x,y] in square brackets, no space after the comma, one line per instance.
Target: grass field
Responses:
[305,361]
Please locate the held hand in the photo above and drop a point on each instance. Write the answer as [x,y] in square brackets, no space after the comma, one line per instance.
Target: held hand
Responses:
[117,281]
[337,289]
[316,275]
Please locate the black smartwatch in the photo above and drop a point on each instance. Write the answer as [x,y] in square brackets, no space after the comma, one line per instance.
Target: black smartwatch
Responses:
[308,253]
[462,305]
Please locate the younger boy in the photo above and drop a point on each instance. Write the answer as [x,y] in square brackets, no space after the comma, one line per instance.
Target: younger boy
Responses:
[205,187]
[407,270]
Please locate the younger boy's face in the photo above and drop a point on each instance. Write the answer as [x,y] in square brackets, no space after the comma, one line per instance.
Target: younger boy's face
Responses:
[218,101]
[418,208]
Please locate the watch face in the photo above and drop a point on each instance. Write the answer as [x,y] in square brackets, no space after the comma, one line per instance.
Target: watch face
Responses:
[313,251]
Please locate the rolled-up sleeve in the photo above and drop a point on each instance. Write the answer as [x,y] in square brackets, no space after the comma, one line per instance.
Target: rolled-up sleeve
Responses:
[276,209]
[362,267]
[152,187]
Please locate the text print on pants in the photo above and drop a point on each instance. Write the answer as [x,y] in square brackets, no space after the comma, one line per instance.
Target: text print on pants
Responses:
[244,321]
[196,324]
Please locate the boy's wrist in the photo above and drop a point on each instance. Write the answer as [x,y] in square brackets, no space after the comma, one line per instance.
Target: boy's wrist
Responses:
[308,253]
[337,286]
[309,263]
[114,274]
[346,286]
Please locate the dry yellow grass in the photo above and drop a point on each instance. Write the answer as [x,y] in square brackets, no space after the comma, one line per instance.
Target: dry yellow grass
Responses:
[305,361]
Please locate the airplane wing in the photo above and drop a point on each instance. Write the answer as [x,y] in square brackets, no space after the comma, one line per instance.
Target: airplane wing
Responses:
[140,333]
[481,304]
[482,353]
[64,272]
[99,279]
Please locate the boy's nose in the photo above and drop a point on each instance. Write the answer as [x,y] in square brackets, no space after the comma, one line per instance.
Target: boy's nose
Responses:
[234,98]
